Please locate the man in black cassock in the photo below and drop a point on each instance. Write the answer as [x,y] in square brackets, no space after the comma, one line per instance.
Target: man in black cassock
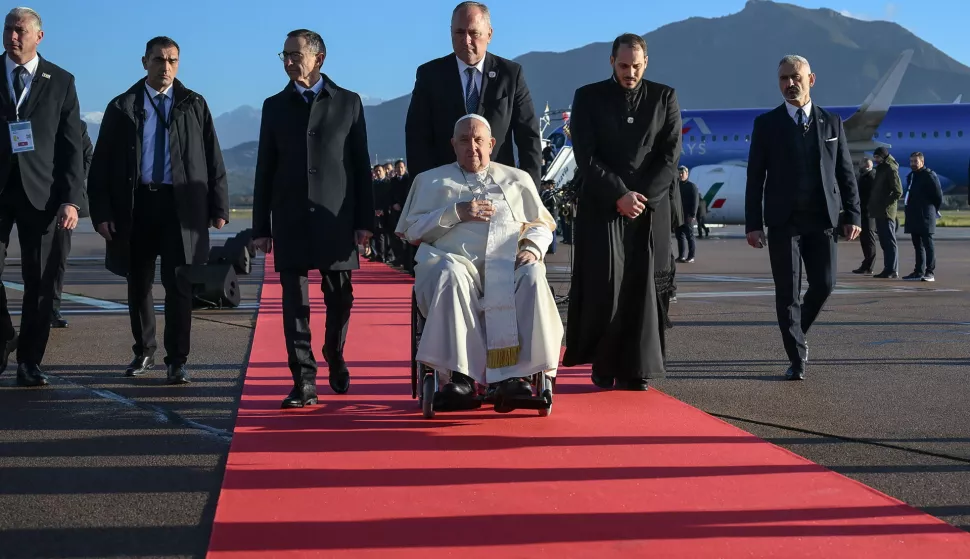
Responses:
[626,135]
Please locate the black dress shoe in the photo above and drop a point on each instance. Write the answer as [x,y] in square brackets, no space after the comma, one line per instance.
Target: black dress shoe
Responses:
[795,372]
[5,352]
[178,375]
[460,385]
[30,375]
[633,384]
[515,388]
[606,383]
[300,396]
[862,270]
[140,365]
[339,374]
[886,275]
[58,321]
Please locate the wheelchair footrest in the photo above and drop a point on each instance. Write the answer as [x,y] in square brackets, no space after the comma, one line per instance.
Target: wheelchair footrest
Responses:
[543,402]
[443,402]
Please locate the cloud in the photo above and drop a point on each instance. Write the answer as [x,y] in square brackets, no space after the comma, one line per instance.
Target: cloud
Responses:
[93,118]
[861,17]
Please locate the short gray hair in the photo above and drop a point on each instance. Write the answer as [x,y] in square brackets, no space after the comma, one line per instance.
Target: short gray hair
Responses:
[479,5]
[794,60]
[314,41]
[27,13]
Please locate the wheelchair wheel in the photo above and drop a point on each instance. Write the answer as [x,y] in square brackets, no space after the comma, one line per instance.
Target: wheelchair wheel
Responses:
[545,392]
[427,396]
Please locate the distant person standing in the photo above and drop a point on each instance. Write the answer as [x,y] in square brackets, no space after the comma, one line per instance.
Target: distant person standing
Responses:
[314,205]
[867,177]
[703,231]
[626,134]
[689,200]
[887,190]
[41,183]
[471,81]
[63,236]
[400,187]
[923,200]
[156,186]
[800,170]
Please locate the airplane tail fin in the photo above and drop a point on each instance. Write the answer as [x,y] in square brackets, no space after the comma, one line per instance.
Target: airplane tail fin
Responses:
[958,100]
[863,123]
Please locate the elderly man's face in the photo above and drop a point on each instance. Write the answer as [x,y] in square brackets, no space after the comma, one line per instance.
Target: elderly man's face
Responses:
[473,145]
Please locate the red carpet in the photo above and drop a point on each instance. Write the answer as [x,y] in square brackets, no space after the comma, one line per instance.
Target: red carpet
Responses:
[607,474]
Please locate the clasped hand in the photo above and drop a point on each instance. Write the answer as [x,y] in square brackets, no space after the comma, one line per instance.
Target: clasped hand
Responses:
[631,204]
[476,210]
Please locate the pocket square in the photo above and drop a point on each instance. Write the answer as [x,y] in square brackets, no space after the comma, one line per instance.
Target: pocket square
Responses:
[832,139]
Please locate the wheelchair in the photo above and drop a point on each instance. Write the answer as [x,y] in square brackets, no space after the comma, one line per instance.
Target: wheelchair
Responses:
[425,384]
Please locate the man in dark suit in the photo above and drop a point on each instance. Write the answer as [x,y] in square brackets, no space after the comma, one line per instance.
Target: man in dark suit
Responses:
[689,199]
[867,238]
[314,204]
[156,185]
[800,168]
[63,236]
[41,183]
[468,81]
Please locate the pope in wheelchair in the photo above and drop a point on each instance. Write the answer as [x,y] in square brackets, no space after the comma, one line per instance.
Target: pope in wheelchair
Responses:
[480,282]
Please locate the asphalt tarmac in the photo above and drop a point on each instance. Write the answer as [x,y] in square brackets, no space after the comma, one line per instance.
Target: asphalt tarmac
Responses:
[98,465]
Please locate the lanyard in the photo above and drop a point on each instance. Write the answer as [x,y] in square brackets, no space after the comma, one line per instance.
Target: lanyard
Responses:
[23,94]
[151,101]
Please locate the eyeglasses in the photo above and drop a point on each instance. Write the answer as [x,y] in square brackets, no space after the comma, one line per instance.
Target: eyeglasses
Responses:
[294,56]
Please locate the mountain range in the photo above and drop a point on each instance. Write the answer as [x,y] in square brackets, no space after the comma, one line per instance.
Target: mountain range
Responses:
[724,62]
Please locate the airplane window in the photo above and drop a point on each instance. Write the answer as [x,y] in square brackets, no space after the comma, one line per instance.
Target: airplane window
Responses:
[947,133]
[936,134]
[912,134]
[735,137]
[747,138]
[692,139]
[724,138]
[713,138]
[959,133]
[703,138]
[923,135]
[899,134]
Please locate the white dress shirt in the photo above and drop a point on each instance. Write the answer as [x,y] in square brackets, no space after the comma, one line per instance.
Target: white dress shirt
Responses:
[31,68]
[793,111]
[479,72]
[148,136]
[315,88]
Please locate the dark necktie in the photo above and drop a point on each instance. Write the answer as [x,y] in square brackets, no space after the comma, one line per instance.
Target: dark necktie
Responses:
[158,167]
[309,95]
[801,119]
[18,82]
[471,93]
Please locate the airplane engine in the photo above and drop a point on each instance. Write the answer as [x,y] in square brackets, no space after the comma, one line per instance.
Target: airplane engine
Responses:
[722,187]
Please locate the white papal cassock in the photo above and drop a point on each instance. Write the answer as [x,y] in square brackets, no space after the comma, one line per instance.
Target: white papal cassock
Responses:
[485,319]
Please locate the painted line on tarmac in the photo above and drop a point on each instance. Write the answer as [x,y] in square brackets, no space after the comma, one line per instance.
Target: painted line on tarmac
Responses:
[162,415]
[771,292]
[98,303]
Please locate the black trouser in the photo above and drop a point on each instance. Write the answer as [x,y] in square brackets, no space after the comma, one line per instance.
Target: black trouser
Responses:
[62,237]
[702,229]
[39,255]
[338,295]
[925,253]
[685,241]
[156,232]
[397,244]
[868,241]
[886,228]
[787,249]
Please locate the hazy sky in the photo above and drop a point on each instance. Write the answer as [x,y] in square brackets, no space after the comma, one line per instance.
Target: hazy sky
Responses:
[229,47]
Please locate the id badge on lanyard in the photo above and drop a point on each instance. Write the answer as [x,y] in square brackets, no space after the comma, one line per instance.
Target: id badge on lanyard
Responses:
[21,134]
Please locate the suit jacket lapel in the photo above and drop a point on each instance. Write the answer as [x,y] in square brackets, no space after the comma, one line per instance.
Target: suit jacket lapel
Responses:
[321,103]
[37,87]
[821,127]
[452,82]
[488,88]
[5,97]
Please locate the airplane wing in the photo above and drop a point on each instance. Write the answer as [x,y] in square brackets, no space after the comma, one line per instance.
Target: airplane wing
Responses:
[860,127]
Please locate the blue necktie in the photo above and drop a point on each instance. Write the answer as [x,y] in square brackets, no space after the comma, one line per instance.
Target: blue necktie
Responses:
[801,118]
[158,167]
[471,93]
[18,82]
[309,95]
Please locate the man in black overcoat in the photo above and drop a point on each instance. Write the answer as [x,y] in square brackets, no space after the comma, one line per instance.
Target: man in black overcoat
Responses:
[41,183]
[471,81]
[626,135]
[156,184]
[800,175]
[313,205]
